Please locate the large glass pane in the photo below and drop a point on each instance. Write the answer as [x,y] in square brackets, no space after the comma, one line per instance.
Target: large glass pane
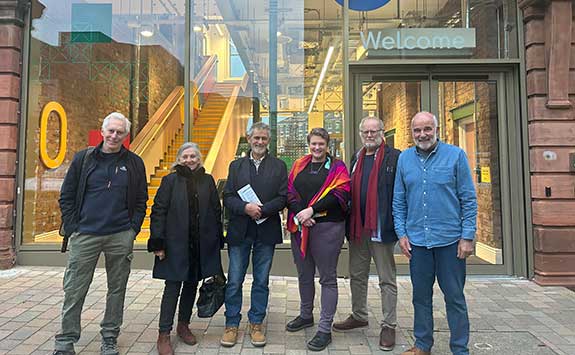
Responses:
[275,61]
[89,58]
[394,103]
[433,29]
[468,118]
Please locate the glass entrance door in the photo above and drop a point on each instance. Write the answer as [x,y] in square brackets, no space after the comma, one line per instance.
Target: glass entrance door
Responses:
[471,114]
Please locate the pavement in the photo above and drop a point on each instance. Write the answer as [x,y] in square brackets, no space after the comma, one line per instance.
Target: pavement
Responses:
[508,316]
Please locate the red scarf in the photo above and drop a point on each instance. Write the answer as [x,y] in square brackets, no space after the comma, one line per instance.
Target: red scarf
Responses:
[369,226]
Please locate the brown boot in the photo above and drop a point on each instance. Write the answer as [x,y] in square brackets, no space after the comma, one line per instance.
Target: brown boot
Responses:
[416,351]
[387,338]
[163,344]
[230,337]
[257,335]
[185,334]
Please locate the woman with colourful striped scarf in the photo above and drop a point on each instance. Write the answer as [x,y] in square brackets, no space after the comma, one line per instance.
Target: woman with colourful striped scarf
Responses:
[318,195]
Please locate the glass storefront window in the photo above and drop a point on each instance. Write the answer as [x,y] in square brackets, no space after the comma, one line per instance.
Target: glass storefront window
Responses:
[89,58]
[468,118]
[277,61]
[433,29]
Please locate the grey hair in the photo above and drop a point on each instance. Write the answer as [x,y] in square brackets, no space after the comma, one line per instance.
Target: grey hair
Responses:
[435,121]
[370,118]
[258,126]
[117,116]
[185,146]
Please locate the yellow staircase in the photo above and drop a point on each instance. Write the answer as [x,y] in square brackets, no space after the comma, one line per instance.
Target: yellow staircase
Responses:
[156,178]
[203,133]
[208,121]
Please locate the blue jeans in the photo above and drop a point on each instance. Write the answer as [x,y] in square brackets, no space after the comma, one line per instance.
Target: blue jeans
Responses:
[239,258]
[424,266]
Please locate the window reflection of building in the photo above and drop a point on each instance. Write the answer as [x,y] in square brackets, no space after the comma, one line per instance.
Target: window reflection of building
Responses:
[92,58]
[130,55]
[333,124]
[292,133]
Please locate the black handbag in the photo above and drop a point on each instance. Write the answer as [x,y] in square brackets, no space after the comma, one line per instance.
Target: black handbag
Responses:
[212,294]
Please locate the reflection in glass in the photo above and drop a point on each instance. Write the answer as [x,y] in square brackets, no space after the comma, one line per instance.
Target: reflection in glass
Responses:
[468,119]
[98,56]
[488,30]
[92,58]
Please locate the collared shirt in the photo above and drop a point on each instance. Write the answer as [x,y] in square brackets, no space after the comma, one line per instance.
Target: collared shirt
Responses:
[434,199]
[257,162]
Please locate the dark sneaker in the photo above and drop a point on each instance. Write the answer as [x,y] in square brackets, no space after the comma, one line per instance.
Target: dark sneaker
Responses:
[319,342]
[349,324]
[109,347]
[387,338]
[299,323]
[64,352]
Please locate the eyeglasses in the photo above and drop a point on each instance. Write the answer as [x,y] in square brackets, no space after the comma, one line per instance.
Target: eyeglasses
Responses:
[367,133]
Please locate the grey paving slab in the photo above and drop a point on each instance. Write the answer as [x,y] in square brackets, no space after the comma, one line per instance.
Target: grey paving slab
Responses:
[508,316]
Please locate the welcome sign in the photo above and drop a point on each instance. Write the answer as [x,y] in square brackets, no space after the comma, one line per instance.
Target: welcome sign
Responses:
[419,41]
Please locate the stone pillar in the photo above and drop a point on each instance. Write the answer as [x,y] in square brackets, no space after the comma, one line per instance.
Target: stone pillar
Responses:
[550,65]
[11,35]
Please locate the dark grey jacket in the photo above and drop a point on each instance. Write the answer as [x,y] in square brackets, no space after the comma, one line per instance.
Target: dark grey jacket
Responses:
[170,224]
[386,180]
[273,195]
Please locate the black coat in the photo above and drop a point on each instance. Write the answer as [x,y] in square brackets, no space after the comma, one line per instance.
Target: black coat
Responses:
[273,195]
[170,223]
[385,182]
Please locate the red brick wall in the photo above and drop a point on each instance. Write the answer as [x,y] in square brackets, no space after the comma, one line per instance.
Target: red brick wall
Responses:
[550,64]
[10,69]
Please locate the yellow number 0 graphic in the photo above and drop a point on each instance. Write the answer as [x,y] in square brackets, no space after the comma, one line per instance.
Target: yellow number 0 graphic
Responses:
[46,159]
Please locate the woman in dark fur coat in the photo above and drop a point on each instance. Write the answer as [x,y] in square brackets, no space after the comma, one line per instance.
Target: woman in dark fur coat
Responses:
[186,238]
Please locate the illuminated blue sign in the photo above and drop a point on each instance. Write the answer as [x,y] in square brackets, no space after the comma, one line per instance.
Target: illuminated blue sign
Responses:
[364,5]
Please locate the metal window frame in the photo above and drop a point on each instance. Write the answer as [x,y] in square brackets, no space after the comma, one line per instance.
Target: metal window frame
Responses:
[46,254]
[511,138]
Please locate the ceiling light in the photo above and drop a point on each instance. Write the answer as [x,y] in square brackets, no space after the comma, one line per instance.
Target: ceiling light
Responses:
[147,31]
[321,76]
[197,28]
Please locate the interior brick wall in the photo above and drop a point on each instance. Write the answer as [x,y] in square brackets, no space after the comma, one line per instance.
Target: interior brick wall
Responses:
[483,96]
[89,80]
[401,101]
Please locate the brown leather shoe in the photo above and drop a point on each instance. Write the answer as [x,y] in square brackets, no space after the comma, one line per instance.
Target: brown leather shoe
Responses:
[185,334]
[387,338]
[349,324]
[416,351]
[163,344]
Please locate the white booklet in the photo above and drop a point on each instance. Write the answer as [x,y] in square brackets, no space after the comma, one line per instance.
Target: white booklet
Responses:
[247,194]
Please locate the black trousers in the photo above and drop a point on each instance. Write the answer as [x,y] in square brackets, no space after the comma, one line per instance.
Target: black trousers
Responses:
[170,300]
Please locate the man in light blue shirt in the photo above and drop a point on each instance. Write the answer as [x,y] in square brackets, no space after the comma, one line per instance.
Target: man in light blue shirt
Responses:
[435,213]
